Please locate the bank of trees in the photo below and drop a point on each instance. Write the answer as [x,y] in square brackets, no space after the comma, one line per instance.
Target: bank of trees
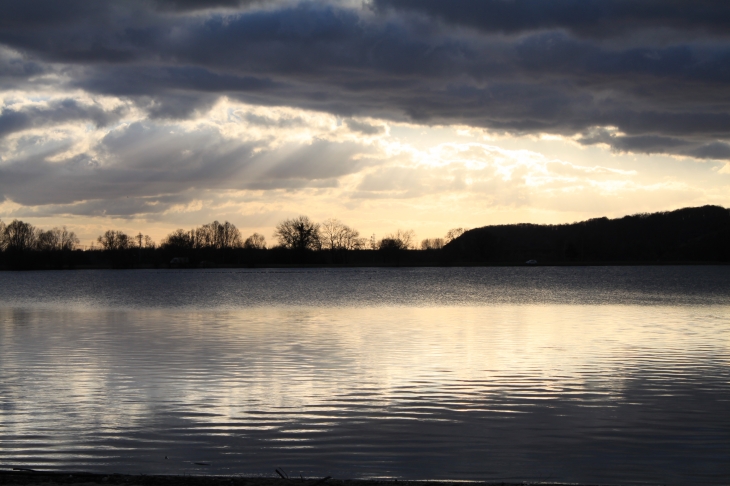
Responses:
[302,234]
[19,236]
[215,235]
[23,245]
[297,240]
[690,234]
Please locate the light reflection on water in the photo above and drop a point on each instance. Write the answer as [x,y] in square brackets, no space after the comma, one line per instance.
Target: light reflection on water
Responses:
[490,374]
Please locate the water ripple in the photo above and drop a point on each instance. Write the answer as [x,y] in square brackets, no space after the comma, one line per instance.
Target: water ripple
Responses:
[468,376]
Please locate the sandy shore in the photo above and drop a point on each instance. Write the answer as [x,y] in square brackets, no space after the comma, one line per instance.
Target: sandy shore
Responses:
[27,478]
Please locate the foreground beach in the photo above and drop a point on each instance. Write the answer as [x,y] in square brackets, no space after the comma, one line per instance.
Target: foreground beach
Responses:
[27,478]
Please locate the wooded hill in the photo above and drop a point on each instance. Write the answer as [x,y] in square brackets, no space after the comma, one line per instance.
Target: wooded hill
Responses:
[689,235]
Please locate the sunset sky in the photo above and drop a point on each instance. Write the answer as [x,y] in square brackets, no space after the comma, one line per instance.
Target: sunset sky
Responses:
[414,114]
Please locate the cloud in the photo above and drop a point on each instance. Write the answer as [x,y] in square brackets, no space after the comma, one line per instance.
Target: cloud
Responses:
[55,112]
[586,18]
[139,107]
[144,167]
[657,144]
[570,68]
[188,5]
[266,121]
[14,68]
[486,173]
[364,128]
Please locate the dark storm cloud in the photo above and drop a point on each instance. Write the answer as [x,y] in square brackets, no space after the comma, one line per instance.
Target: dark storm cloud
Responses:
[187,5]
[657,71]
[170,92]
[589,18]
[655,144]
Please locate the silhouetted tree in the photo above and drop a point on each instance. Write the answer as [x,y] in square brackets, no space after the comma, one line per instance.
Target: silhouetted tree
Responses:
[57,239]
[19,236]
[298,234]
[392,245]
[179,239]
[400,240]
[432,244]
[114,240]
[18,240]
[218,236]
[335,235]
[454,233]
[255,242]
[2,235]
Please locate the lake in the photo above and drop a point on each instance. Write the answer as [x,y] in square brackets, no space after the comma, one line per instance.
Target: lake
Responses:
[576,374]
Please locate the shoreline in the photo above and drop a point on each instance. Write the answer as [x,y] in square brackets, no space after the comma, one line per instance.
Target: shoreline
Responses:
[32,477]
[412,265]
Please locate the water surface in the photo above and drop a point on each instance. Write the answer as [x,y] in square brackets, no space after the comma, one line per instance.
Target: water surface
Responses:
[606,374]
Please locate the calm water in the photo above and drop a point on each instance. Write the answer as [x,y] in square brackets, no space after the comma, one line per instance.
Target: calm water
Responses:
[613,375]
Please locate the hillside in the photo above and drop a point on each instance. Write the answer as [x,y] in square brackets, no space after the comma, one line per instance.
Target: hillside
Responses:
[691,234]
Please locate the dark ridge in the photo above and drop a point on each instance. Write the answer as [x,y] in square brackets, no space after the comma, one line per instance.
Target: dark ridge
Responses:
[686,235]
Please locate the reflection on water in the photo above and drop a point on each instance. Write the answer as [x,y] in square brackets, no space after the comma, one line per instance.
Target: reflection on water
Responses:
[565,375]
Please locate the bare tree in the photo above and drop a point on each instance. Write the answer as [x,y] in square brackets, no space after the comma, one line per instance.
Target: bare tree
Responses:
[400,240]
[68,239]
[47,241]
[352,240]
[217,235]
[114,240]
[335,235]
[454,233]
[179,239]
[432,244]
[329,233]
[299,233]
[2,235]
[228,236]
[205,236]
[19,236]
[144,241]
[255,242]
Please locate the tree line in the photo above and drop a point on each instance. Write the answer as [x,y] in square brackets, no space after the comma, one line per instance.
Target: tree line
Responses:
[22,245]
[299,234]
[19,236]
[691,235]
[298,240]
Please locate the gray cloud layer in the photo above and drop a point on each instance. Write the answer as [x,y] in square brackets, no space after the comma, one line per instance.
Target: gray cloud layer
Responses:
[144,168]
[586,18]
[57,112]
[655,70]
